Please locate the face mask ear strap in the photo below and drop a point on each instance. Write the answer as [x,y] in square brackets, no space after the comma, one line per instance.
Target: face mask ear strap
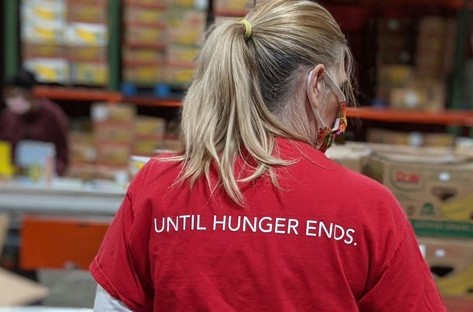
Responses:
[320,118]
[309,79]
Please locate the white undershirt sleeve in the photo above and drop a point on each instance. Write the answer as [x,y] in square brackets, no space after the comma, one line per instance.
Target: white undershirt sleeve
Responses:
[106,303]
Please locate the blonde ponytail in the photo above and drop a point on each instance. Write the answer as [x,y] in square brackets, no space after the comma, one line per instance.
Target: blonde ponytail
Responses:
[246,75]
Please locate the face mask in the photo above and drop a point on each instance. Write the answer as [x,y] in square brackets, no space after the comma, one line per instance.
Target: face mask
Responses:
[18,105]
[326,136]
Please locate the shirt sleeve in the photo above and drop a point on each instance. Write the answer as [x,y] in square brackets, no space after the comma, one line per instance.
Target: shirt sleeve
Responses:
[406,283]
[122,266]
[106,303]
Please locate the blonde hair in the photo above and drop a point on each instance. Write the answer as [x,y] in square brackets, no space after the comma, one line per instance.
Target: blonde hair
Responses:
[240,97]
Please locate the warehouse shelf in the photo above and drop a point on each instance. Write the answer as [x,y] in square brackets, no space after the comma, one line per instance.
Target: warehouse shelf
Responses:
[446,117]
[152,101]
[448,4]
[77,94]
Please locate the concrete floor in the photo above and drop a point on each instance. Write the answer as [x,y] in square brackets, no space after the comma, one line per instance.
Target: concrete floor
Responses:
[68,288]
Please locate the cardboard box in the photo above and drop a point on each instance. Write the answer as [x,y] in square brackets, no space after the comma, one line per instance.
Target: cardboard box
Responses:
[82,147]
[150,127]
[82,170]
[113,153]
[31,50]
[384,136]
[106,112]
[85,34]
[197,4]
[435,190]
[19,291]
[80,12]
[112,132]
[42,33]
[147,3]
[87,54]
[146,147]
[149,75]
[89,73]
[351,155]
[420,95]
[182,55]
[232,5]
[112,172]
[49,69]
[145,35]
[393,76]
[49,13]
[439,139]
[151,56]
[184,18]
[178,76]
[451,262]
[145,16]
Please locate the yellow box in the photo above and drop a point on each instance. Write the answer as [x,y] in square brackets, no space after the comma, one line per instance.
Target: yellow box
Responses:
[143,15]
[31,50]
[51,14]
[82,147]
[89,73]
[113,154]
[86,13]
[87,54]
[182,55]
[145,35]
[105,112]
[135,55]
[143,74]
[151,127]
[178,75]
[451,262]
[232,5]
[85,34]
[42,33]
[49,69]
[146,147]
[111,132]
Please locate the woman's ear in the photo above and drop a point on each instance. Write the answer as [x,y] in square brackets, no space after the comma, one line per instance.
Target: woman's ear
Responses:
[314,85]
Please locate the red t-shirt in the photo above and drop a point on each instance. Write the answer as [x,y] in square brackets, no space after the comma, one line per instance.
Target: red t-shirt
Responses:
[325,239]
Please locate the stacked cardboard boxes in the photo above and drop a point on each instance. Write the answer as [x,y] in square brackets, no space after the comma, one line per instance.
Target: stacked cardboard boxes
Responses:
[435,188]
[162,40]
[186,23]
[144,41]
[64,41]
[43,24]
[113,136]
[87,38]
[232,7]
[117,134]
[412,62]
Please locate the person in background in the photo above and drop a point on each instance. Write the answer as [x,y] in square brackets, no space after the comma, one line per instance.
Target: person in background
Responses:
[252,216]
[29,118]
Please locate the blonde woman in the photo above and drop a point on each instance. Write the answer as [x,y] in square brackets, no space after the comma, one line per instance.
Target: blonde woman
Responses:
[252,216]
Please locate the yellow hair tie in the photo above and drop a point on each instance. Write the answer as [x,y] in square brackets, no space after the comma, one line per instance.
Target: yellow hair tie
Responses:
[247,28]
